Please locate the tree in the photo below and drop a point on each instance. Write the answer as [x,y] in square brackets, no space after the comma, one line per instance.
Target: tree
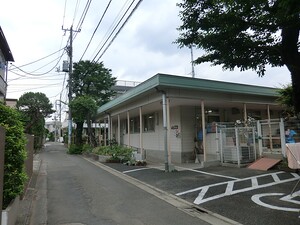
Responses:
[286,99]
[247,34]
[34,108]
[15,154]
[83,108]
[95,81]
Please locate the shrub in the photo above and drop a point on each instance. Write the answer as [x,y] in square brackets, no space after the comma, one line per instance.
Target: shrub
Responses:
[15,154]
[117,153]
[87,148]
[74,149]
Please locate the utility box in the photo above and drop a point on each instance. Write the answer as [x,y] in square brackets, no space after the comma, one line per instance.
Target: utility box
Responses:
[65,66]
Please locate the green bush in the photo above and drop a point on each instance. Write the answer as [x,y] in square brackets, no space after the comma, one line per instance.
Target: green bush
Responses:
[117,153]
[87,148]
[15,154]
[74,149]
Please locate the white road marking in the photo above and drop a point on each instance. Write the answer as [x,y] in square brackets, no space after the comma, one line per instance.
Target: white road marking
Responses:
[211,174]
[257,200]
[130,171]
[230,184]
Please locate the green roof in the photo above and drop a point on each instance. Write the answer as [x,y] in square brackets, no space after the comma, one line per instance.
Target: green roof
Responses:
[188,83]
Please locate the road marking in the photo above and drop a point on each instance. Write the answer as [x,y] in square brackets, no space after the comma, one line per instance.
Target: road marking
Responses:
[129,171]
[288,198]
[211,174]
[230,185]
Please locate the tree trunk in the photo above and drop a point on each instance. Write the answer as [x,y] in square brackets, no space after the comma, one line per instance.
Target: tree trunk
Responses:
[291,56]
[79,129]
[91,135]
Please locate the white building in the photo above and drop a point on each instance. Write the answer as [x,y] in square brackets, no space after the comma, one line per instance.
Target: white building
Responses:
[160,118]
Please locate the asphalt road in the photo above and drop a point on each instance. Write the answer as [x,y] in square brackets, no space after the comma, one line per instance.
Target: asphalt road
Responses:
[72,190]
[77,190]
[247,196]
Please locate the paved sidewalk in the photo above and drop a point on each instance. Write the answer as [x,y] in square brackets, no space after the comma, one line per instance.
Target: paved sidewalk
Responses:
[25,209]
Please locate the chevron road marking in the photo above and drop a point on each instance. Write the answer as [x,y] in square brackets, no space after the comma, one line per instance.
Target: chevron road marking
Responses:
[230,185]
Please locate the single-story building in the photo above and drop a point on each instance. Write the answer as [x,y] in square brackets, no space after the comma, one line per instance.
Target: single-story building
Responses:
[162,117]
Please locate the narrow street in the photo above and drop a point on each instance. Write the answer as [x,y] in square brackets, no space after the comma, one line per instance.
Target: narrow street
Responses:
[72,190]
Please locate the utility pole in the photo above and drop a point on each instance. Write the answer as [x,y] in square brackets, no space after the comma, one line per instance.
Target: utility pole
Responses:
[192,61]
[70,53]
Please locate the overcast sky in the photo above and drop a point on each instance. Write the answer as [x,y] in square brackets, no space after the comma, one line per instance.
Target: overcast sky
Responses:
[143,48]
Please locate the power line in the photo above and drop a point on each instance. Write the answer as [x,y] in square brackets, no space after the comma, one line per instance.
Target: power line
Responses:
[96,29]
[40,58]
[83,16]
[113,30]
[41,74]
[126,20]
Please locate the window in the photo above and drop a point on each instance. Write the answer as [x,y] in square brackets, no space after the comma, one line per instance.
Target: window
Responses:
[135,125]
[149,122]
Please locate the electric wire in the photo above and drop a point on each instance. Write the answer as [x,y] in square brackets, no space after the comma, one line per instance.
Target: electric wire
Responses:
[109,30]
[40,74]
[113,30]
[39,59]
[75,11]
[83,15]
[126,20]
[96,29]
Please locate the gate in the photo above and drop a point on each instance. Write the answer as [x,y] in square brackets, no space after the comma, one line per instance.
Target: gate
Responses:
[237,145]
[271,138]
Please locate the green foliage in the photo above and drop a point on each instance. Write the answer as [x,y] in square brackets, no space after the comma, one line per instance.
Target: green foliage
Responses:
[75,149]
[244,34]
[94,80]
[34,107]
[92,86]
[82,106]
[286,99]
[15,154]
[87,148]
[117,152]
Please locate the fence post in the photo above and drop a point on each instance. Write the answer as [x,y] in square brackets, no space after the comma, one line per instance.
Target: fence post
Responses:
[2,148]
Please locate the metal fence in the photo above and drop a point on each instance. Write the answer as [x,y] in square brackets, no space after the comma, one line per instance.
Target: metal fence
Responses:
[237,145]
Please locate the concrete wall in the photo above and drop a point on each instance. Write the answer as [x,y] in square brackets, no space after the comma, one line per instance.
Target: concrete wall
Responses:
[29,159]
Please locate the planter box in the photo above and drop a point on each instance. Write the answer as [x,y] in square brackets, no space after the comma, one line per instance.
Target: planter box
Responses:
[10,214]
[103,158]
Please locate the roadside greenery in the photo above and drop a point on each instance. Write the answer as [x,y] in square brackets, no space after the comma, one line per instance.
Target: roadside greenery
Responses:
[117,153]
[91,87]
[34,108]
[15,154]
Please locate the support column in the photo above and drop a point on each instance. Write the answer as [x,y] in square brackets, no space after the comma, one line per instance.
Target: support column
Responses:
[245,113]
[164,105]
[128,129]
[203,131]
[141,132]
[105,132]
[169,130]
[109,128]
[270,129]
[119,130]
[100,134]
